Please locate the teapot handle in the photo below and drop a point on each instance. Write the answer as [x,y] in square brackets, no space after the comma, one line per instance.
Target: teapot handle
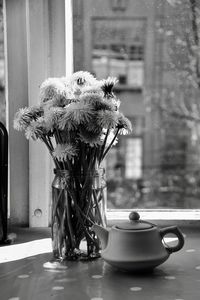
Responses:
[177,232]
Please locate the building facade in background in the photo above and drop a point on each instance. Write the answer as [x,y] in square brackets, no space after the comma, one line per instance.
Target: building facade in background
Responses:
[123,39]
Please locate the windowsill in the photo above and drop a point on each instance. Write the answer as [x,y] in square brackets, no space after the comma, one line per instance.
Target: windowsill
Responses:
[186,217]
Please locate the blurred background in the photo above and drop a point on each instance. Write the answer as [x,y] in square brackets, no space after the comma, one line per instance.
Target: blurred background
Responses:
[153,48]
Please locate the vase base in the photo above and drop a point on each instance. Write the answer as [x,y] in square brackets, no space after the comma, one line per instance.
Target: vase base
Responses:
[76,255]
[92,256]
[55,264]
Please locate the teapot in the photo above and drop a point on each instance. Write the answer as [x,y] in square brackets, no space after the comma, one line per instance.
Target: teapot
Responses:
[136,245]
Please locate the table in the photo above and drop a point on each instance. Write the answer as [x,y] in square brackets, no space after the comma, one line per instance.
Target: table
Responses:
[26,277]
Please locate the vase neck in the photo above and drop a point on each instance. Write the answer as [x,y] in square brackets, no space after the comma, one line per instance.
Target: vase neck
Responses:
[62,173]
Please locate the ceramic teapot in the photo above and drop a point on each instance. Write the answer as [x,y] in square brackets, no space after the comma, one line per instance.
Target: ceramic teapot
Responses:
[136,245]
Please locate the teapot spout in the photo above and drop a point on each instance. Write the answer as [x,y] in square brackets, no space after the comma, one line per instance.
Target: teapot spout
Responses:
[102,233]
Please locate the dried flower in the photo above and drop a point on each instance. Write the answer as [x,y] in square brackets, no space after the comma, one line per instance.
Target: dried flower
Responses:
[22,119]
[107,86]
[65,151]
[107,119]
[115,102]
[83,78]
[124,124]
[91,90]
[80,80]
[53,92]
[52,116]
[24,116]
[75,114]
[97,102]
[89,136]
[36,129]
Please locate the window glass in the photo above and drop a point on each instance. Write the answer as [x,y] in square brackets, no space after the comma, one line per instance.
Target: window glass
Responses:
[152,47]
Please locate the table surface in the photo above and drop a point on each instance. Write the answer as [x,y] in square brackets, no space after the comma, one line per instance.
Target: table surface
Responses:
[25,273]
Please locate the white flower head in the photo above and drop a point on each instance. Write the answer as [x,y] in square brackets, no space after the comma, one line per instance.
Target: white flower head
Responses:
[96,101]
[22,119]
[79,80]
[65,151]
[75,114]
[107,86]
[92,90]
[36,129]
[52,116]
[24,116]
[83,78]
[53,92]
[124,124]
[107,119]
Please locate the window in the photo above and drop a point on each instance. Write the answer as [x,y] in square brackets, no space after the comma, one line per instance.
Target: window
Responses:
[151,46]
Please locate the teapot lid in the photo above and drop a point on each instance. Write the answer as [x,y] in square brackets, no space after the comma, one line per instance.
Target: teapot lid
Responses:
[135,223]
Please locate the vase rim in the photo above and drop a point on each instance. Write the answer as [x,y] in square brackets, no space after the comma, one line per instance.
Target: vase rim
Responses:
[59,171]
[96,171]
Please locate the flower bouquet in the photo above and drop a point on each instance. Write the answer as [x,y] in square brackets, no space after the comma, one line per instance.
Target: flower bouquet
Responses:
[78,119]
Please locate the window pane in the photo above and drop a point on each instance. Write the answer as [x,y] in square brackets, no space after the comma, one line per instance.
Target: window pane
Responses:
[133,158]
[152,47]
[136,73]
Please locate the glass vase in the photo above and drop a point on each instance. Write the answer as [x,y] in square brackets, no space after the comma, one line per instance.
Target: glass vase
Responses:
[78,201]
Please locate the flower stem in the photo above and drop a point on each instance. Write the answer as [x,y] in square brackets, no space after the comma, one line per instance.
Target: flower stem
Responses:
[43,138]
[56,206]
[111,143]
[104,144]
[69,215]
[97,206]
